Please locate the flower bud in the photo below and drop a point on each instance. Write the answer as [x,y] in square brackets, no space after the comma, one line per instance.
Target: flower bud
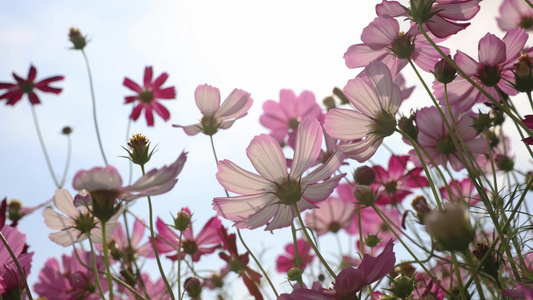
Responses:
[420,205]
[139,152]
[498,116]
[294,274]
[522,74]
[182,221]
[504,163]
[402,286]
[66,130]
[14,210]
[193,287]
[481,122]
[450,227]
[364,175]
[372,240]
[408,125]
[78,40]
[364,195]
[444,71]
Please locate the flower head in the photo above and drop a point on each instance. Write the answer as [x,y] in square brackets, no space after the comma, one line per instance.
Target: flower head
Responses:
[332,215]
[283,117]
[15,91]
[515,14]
[377,100]
[271,197]
[215,115]
[148,96]
[11,282]
[287,261]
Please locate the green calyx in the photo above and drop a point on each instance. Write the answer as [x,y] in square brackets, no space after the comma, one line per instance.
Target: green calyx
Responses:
[289,192]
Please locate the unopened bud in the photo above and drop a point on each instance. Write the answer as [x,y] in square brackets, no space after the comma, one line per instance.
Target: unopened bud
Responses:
[329,103]
[407,125]
[364,195]
[78,40]
[340,94]
[450,227]
[372,240]
[402,286]
[420,205]
[193,286]
[522,74]
[294,274]
[482,122]
[139,152]
[66,130]
[182,221]
[504,163]
[444,71]
[364,175]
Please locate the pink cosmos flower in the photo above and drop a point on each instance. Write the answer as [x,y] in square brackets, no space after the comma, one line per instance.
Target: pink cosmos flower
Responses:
[287,261]
[207,241]
[11,282]
[463,189]
[447,14]
[331,215]
[74,281]
[239,263]
[283,117]
[492,72]
[148,96]
[269,198]
[107,179]
[15,91]
[216,116]
[383,41]
[77,224]
[394,184]
[351,280]
[156,290]
[435,138]
[376,99]
[128,248]
[515,14]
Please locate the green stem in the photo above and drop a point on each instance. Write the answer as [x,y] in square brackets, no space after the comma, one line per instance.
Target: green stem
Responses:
[458,274]
[106,261]
[94,106]
[179,265]
[43,146]
[95,267]
[297,257]
[19,268]
[320,257]
[474,272]
[67,164]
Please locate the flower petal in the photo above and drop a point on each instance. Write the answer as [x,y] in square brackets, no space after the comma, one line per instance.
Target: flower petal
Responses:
[267,158]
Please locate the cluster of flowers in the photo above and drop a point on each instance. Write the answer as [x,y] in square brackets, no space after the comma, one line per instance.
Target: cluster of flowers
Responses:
[459,162]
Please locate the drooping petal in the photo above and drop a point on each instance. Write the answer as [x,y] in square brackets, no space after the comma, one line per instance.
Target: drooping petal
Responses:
[190,130]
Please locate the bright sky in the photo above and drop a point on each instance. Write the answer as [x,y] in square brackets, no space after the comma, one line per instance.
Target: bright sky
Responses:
[260,47]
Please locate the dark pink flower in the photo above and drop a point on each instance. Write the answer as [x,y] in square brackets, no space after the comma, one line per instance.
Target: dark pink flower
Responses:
[269,198]
[207,241]
[515,14]
[239,263]
[148,96]
[528,121]
[435,138]
[448,15]
[351,280]
[493,72]
[331,215]
[215,115]
[394,184]
[287,261]
[283,117]
[383,41]
[15,91]
[74,281]
[10,278]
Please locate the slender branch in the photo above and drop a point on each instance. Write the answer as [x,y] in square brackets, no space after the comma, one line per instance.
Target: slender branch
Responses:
[43,146]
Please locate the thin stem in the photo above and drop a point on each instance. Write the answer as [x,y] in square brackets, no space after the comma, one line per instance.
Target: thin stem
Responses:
[19,268]
[320,257]
[473,270]
[94,106]
[95,267]
[67,165]
[458,274]
[41,141]
[179,264]
[297,257]
[106,261]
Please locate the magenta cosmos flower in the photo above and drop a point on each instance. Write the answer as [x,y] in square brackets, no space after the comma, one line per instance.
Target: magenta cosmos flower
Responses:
[74,281]
[444,17]
[207,240]
[78,223]
[287,261]
[434,137]
[515,14]
[331,215]
[216,116]
[383,41]
[376,99]
[148,96]
[283,117]
[11,283]
[269,198]
[394,184]
[492,72]
[461,190]
[351,280]
[15,91]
